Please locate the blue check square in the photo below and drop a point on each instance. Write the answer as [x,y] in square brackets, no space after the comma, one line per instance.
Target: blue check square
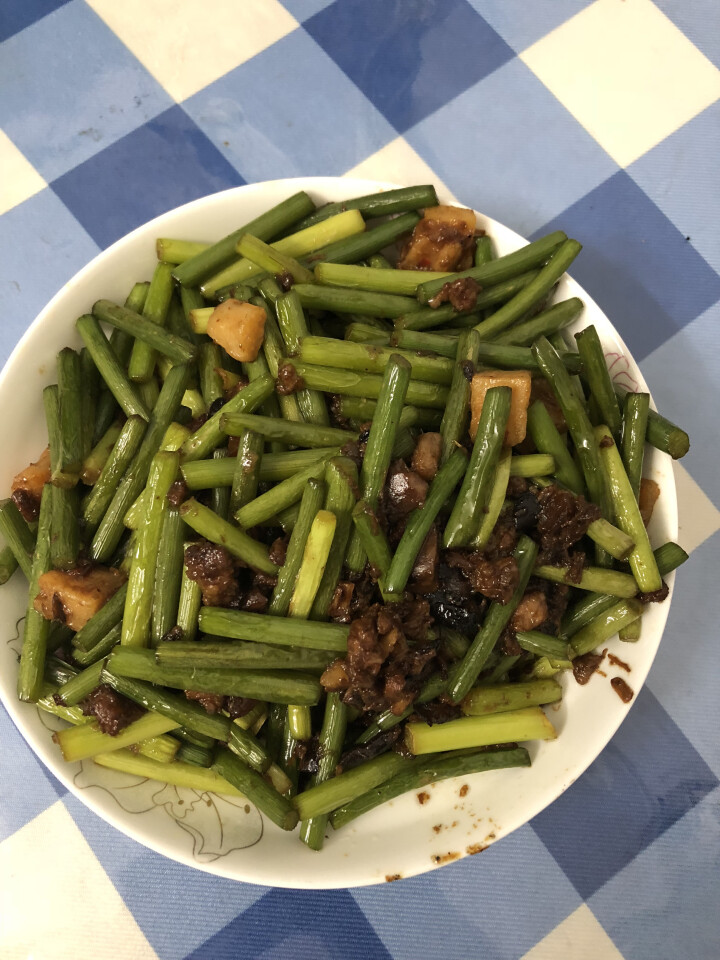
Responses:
[680,175]
[298,924]
[61,104]
[43,247]
[517,870]
[166,162]
[409,59]
[644,781]
[521,166]
[698,21]
[289,111]
[640,268]
[175,926]
[665,903]
[27,788]
[14,17]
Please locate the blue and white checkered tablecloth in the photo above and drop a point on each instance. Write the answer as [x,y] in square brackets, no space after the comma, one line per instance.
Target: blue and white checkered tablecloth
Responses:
[602,118]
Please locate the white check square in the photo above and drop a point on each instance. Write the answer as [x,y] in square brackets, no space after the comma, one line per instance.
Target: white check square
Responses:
[18,177]
[188,45]
[626,73]
[579,935]
[54,887]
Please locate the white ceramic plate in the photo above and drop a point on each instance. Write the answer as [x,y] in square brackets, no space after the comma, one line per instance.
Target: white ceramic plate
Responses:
[229,838]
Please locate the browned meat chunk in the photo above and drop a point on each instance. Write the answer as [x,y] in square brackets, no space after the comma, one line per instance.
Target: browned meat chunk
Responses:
[177,493]
[655,596]
[288,380]
[442,240]
[516,487]
[531,612]
[438,711]
[210,702]
[27,486]
[74,596]
[562,521]
[339,609]
[426,457]
[586,665]
[504,537]
[622,689]
[112,711]
[424,571]
[239,706]
[405,490]
[461,294]
[254,601]
[388,657]
[278,550]
[495,579]
[213,568]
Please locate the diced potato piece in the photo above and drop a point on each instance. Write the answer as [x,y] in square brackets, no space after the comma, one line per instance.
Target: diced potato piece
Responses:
[75,596]
[239,328]
[649,492]
[520,383]
[442,240]
[27,486]
[460,217]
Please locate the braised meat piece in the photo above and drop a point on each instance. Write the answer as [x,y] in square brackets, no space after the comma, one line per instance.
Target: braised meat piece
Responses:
[288,380]
[254,601]
[655,596]
[278,550]
[238,706]
[213,567]
[563,520]
[388,657]
[461,294]
[74,596]
[339,609]
[586,665]
[531,612]
[516,487]
[556,601]
[504,537]
[364,594]
[177,493]
[426,457]
[27,486]
[210,702]
[405,490]
[438,711]
[495,579]
[424,571]
[112,710]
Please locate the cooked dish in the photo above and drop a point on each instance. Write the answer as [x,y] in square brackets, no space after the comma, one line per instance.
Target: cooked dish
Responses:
[326,508]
